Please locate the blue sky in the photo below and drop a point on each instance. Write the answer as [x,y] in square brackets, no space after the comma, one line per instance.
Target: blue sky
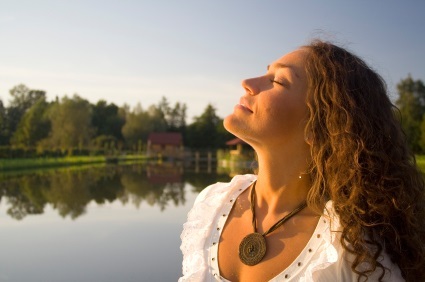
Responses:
[196,52]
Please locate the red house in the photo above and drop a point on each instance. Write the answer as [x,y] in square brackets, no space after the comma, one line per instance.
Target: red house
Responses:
[238,146]
[165,144]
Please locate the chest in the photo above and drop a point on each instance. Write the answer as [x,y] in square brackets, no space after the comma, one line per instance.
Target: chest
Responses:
[283,246]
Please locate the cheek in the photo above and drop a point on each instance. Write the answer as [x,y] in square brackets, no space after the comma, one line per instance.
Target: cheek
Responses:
[278,110]
[286,115]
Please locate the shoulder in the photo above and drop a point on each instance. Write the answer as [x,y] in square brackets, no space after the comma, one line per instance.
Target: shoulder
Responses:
[341,270]
[212,197]
[198,226]
[334,263]
[217,189]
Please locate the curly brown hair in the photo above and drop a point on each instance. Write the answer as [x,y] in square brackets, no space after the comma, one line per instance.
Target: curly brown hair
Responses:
[361,162]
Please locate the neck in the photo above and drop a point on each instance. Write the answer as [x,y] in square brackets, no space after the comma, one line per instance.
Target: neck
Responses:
[282,182]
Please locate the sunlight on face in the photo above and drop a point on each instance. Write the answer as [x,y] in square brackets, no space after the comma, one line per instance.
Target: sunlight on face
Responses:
[273,110]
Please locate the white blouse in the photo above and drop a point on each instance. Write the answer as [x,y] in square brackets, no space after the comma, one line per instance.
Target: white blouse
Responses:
[322,259]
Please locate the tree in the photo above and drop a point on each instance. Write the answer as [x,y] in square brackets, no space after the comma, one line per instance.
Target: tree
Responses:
[71,123]
[157,118]
[3,125]
[177,118]
[107,120]
[411,103]
[162,111]
[167,118]
[205,131]
[22,100]
[34,125]
[137,126]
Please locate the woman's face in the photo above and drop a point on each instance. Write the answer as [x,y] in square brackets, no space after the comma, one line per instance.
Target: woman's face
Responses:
[273,110]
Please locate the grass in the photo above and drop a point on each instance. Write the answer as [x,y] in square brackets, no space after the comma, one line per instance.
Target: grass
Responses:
[15,164]
[420,161]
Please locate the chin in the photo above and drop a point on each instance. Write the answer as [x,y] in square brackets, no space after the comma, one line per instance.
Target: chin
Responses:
[229,123]
[232,124]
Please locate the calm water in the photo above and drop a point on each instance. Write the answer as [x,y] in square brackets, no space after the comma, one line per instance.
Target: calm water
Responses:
[98,224]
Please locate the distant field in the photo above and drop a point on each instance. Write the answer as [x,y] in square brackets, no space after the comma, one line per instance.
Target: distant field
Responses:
[12,164]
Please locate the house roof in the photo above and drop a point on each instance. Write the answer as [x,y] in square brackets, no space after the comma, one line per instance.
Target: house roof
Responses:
[165,138]
[235,141]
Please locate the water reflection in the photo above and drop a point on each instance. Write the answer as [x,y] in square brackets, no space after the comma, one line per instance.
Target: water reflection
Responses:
[70,190]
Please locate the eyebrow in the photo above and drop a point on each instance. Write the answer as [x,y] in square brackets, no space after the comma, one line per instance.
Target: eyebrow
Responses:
[280,65]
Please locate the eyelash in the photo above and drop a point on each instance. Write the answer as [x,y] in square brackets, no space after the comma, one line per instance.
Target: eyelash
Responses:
[277,82]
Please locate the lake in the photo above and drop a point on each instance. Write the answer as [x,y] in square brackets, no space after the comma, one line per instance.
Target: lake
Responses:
[97,223]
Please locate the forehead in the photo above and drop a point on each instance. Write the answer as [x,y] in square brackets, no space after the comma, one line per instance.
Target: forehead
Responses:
[297,57]
[294,61]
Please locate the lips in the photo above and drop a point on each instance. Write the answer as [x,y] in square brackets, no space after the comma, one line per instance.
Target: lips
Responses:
[245,105]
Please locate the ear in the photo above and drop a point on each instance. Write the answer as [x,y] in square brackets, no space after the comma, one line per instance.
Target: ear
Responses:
[308,138]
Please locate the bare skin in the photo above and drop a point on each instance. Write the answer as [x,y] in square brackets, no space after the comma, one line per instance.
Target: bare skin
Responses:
[283,245]
[271,118]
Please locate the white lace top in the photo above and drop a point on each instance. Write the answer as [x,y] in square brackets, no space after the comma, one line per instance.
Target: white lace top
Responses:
[322,259]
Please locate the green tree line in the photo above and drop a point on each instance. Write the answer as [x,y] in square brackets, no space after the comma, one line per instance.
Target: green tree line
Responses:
[411,105]
[73,125]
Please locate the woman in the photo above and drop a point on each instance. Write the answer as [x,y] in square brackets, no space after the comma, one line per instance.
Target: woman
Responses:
[337,196]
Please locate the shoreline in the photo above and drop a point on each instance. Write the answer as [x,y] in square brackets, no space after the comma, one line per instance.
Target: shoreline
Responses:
[28,163]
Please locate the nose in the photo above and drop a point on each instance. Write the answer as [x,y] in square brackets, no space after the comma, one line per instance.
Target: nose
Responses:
[249,86]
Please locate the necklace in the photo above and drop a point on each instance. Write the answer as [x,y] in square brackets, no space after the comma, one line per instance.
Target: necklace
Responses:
[253,247]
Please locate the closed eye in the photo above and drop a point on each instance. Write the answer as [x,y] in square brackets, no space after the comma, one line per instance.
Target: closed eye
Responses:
[277,82]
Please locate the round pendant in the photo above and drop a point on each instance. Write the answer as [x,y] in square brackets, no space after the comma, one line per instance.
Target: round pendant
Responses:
[252,249]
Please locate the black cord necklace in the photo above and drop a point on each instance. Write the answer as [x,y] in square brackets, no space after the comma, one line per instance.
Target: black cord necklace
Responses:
[253,247]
